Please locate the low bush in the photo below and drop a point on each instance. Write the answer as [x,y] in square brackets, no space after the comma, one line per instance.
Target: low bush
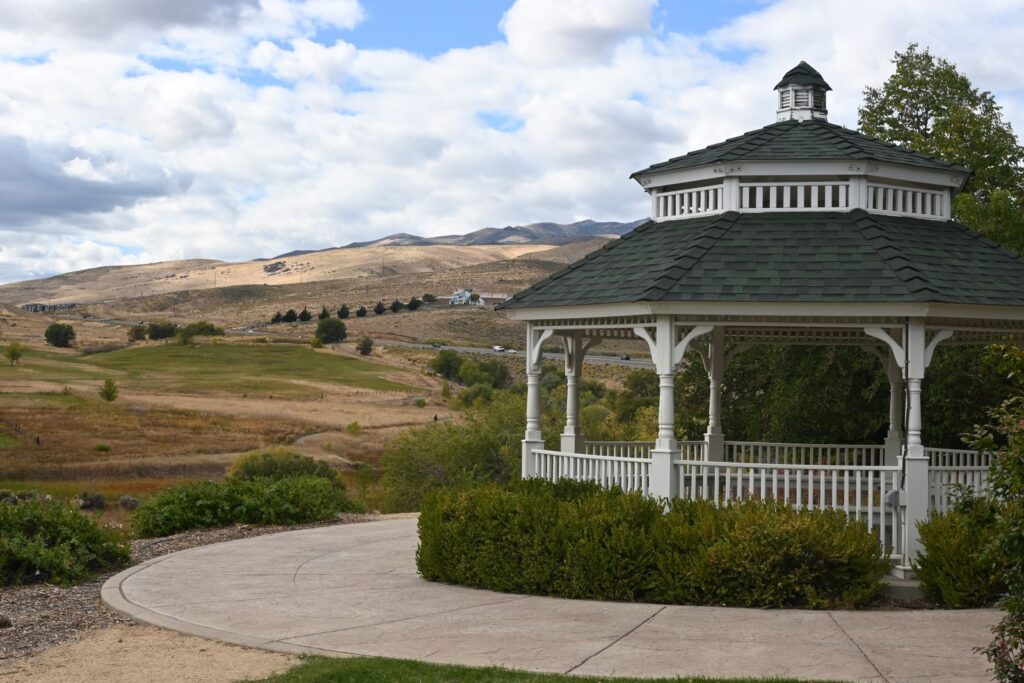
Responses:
[161,330]
[579,541]
[330,330]
[202,328]
[102,348]
[47,540]
[956,569]
[279,463]
[203,504]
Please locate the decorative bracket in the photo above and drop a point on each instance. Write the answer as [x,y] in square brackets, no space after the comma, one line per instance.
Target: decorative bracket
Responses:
[680,349]
[534,351]
[897,348]
[940,336]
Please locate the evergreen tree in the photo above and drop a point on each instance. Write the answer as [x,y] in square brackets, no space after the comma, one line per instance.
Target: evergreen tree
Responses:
[414,303]
[290,316]
[324,313]
[343,311]
[396,306]
[305,316]
[361,312]
[278,317]
[379,308]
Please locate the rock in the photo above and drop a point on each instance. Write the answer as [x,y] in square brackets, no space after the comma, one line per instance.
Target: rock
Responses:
[5,621]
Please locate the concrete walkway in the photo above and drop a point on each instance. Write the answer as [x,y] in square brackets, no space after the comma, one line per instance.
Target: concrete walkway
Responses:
[353,590]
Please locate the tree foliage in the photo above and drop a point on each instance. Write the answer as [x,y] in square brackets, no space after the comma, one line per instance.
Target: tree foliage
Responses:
[14,352]
[161,329]
[929,106]
[361,312]
[330,331]
[343,312]
[324,313]
[305,315]
[60,335]
[365,346]
[379,308]
[290,316]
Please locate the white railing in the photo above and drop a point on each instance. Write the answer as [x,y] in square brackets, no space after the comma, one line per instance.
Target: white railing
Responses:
[804,453]
[794,196]
[688,450]
[629,474]
[953,468]
[620,449]
[867,494]
[688,202]
[957,457]
[907,201]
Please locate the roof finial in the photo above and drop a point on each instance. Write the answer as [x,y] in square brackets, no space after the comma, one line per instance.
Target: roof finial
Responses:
[802,94]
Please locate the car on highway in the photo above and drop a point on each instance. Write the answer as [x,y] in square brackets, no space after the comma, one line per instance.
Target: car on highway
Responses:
[625,356]
[499,348]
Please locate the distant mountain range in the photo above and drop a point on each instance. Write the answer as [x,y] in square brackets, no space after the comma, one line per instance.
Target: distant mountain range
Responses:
[535,233]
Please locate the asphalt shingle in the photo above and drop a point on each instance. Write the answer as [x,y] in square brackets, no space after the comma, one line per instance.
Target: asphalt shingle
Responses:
[850,256]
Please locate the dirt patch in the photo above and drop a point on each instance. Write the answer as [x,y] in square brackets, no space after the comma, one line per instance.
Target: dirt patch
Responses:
[132,653]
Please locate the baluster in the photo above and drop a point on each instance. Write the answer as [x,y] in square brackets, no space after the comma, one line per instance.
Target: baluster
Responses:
[828,196]
[843,199]
[760,198]
[871,498]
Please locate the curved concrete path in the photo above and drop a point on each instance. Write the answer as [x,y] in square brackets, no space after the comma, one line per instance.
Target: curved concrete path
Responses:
[353,590]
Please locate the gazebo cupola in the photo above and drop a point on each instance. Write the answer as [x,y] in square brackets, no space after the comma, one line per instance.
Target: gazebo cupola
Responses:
[802,163]
[802,94]
[801,232]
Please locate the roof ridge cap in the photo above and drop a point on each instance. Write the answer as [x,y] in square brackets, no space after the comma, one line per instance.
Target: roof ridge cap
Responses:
[727,217]
[863,219]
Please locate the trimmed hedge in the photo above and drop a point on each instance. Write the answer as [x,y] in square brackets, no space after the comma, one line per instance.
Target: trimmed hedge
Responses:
[47,540]
[958,568]
[203,504]
[579,541]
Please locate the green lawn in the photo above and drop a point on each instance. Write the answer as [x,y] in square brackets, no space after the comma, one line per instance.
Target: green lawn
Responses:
[260,369]
[377,670]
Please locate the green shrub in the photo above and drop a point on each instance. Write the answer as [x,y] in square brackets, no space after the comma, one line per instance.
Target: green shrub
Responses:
[47,540]
[484,447]
[956,570]
[364,346]
[137,333]
[203,504]
[279,463]
[108,392]
[576,540]
[305,315]
[59,335]
[354,428]
[202,328]
[161,330]
[330,331]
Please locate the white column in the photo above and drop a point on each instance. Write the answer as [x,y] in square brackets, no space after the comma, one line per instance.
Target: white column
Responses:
[572,440]
[663,483]
[714,440]
[894,439]
[534,439]
[916,464]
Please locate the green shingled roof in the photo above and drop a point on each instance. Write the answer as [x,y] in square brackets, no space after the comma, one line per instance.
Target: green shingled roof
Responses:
[802,140]
[803,74]
[789,256]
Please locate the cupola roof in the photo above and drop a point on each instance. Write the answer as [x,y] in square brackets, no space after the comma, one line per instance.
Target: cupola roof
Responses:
[805,75]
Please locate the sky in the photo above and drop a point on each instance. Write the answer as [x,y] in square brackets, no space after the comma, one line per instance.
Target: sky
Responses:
[134,131]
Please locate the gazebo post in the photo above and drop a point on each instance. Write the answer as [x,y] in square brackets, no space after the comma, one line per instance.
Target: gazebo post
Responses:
[533,439]
[894,439]
[916,462]
[714,439]
[662,482]
[572,440]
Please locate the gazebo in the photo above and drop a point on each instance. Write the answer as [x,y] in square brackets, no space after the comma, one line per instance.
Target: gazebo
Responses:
[801,232]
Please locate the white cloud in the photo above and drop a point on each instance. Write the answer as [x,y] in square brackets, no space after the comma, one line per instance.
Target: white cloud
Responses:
[546,32]
[107,158]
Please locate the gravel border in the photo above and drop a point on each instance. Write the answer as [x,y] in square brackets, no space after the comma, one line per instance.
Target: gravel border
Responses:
[43,615]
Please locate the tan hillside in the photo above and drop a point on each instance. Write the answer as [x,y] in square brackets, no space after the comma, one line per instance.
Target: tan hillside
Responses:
[117,283]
